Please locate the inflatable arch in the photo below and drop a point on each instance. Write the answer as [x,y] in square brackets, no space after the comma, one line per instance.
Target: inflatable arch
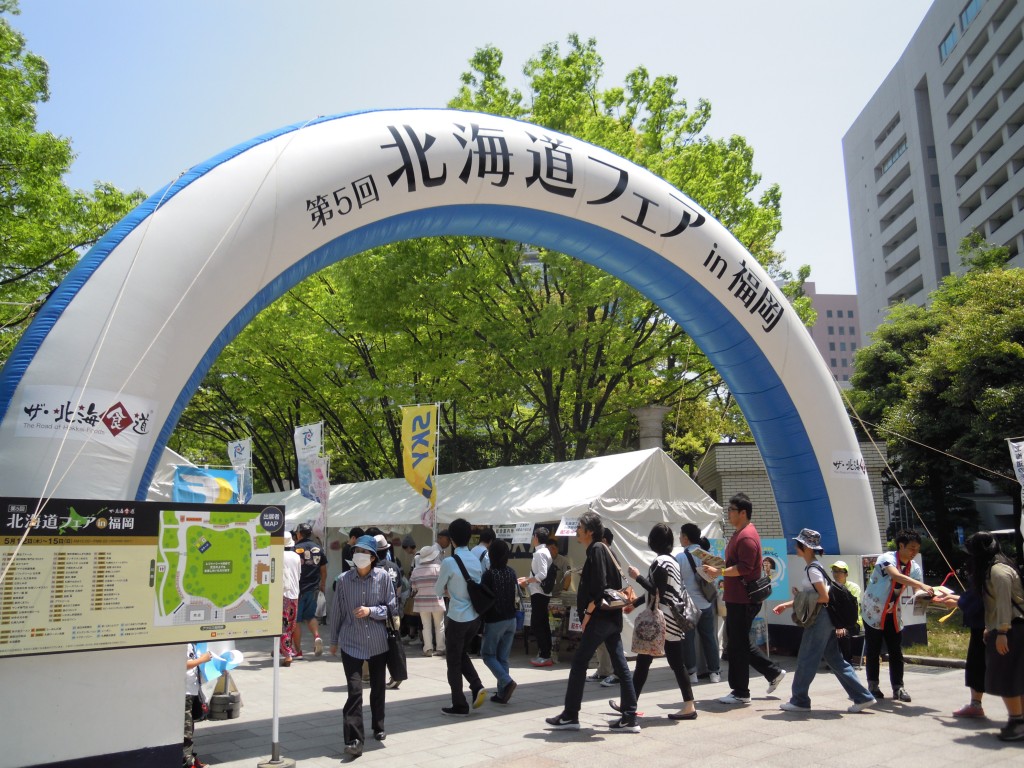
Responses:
[95,387]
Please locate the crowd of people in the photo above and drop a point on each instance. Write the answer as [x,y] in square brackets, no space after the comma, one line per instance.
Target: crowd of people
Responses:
[435,594]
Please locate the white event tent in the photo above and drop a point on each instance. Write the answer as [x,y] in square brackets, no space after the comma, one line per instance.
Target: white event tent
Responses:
[631,491]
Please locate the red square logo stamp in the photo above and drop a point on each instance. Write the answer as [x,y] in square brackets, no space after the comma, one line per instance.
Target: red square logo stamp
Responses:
[117,419]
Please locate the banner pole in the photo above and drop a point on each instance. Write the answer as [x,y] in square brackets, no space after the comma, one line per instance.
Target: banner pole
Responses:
[437,462]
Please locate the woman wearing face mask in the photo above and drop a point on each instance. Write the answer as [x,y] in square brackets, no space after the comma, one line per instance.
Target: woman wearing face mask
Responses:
[363,602]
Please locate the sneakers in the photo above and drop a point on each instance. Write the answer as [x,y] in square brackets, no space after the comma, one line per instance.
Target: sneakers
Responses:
[479,697]
[563,723]
[318,646]
[392,684]
[625,724]
[297,654]
[616,708]
[1012,731]
[506,695]
[776,682]
[595,678]
[609,681]
[693,678]
[714,677]
[860,706]
[970,710]
[453,712]
[540,661]
[789,706]
[733,700]
[900,694]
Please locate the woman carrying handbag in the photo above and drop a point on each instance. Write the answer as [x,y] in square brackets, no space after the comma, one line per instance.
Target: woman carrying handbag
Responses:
[663,583]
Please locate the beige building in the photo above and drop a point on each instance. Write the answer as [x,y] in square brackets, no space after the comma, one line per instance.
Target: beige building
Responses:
[729,468]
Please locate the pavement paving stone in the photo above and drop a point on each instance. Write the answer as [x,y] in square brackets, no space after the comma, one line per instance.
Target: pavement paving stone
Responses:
[312,693]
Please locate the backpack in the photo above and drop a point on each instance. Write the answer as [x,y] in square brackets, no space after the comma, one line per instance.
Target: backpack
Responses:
[547,584]
[843,607]
[480,595]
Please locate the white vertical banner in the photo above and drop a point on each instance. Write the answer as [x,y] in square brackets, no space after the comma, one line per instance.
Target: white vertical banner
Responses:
[240,456]
[308,442]
[321,487]
[1017,459]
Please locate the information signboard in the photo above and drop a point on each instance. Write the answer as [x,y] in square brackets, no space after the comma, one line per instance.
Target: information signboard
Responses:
[115,574]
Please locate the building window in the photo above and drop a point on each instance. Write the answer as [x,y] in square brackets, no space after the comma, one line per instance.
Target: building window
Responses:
[890,161]
[831,330]
[842,330]
[828,313]
[842,346]
[940,238]
[832,362]
[846,377]
[849,313]
[831,346]
[938,209]
[969,12]
[853,346]
[852,331]
[844,363]
[947,44]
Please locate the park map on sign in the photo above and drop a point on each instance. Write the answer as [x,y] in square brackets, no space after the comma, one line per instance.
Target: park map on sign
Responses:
[211,567]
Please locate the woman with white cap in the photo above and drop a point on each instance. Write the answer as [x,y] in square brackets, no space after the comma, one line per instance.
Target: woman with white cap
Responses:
[819,639]
[363,604]
[429,606]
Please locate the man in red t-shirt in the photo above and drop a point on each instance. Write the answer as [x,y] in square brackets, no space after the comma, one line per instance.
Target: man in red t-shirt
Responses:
[743,564]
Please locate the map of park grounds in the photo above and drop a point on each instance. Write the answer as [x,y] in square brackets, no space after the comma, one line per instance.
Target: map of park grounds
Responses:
[211,567]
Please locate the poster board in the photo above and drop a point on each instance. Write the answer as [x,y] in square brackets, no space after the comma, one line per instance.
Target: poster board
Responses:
[118,574]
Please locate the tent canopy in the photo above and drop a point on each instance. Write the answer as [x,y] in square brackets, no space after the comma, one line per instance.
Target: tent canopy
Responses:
[637,488]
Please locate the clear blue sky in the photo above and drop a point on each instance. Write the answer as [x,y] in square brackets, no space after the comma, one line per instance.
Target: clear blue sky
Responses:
[148,89]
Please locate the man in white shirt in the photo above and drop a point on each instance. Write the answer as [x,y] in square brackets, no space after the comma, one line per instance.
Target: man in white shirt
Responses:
[539,599]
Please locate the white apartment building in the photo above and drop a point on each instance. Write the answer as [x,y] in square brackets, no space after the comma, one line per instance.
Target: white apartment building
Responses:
[938,153]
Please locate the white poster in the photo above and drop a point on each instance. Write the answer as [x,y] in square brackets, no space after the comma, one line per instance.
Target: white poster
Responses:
[308,441]
[110,418]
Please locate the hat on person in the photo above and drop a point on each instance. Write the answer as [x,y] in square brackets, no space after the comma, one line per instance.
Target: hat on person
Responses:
[289,541]
[366,542]
[304,528]
[839,565]
[382,543]
[810,539]
[428,553]
[408,540]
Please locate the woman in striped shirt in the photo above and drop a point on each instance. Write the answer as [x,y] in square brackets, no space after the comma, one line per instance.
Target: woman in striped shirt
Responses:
[363,603]
[663,580]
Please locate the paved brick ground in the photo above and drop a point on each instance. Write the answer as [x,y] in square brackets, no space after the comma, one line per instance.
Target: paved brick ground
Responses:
[312,693]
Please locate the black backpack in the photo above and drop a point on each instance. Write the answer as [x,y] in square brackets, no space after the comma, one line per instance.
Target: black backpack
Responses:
[843,607]
[548,582]
[480,595]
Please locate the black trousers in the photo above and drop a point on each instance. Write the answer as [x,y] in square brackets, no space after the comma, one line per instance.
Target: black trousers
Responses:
[541,624]
[674,656]
[457,637]
[352,728]
[873,650]
[743,654]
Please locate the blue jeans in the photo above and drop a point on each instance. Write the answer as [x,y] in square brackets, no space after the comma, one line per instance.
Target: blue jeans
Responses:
[495,648]
[819,640]
[607,632]
[708,642]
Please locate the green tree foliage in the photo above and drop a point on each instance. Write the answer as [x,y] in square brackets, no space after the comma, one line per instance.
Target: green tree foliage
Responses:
[44,225]
[950,378]
[537,356]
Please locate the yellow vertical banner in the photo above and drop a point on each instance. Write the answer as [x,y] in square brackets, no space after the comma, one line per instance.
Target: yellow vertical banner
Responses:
[419,449]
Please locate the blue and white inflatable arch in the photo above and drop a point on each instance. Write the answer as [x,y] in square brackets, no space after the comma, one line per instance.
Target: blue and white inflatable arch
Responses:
[93,391]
